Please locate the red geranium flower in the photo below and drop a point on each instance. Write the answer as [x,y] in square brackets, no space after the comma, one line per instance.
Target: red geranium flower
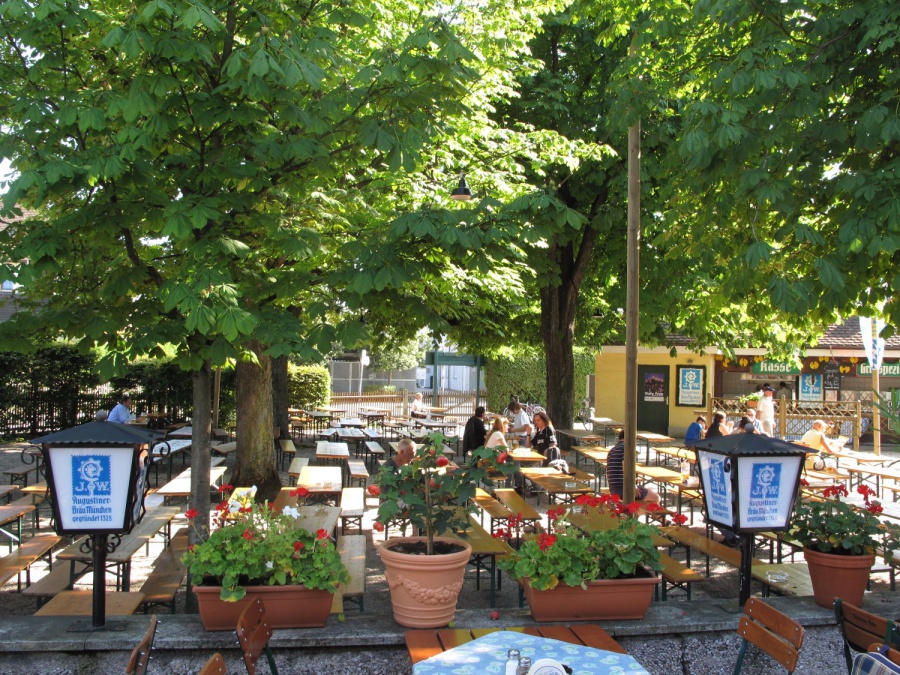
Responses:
[545,541]
[190,514]
[553,514]
[298,545]
[248,534]
[502,457]
[221,506]
[377,526]
[804,482]
[679,519]
[442,461]
[501,534]
[299,492]
[225,488]
[374,490]
[321,534]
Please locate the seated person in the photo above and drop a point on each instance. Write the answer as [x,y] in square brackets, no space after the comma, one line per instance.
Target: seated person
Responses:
[418,408]
[406,450]
[474,432]
[695,431]
[718,426]
[497,437]
[615,474]
[817,440]
[544,439]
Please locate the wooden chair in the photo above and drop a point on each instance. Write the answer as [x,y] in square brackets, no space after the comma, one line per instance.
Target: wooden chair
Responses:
[776,634]
[140,656]
[254,633]
[861,628]
[215,665]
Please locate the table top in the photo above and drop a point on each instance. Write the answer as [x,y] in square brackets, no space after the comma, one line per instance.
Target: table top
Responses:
[321,479]
[320,414]
[332,410]
[183,432]
[555,482]
[331,450]
[488,654]
[351,422]
[166,447]
[605,422]
[526,455]
[583,434]
[180,486]
[8,489]
[312,518]
[153,521]
[437,424]
[9,512]
[81,603]
[651,437]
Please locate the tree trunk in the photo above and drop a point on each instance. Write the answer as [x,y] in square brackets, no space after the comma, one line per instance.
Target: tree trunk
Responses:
[558,335]
[201,419]
[280,402]
[255,462]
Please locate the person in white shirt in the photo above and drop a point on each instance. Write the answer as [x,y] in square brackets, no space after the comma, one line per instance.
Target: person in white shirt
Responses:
[765,411]
[497,437]
[418,409]
[521,423]
[815,438]
[122,412]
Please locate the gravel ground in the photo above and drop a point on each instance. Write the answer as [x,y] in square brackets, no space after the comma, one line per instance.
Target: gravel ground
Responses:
[723,582]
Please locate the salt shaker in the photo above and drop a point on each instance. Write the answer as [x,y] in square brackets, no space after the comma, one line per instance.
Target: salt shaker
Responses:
[524,665]
[512,662]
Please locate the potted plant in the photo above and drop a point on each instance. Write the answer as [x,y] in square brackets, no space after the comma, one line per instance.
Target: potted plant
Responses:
[606,573]
[425,573]
[255,550]
[752,400]
[839,542]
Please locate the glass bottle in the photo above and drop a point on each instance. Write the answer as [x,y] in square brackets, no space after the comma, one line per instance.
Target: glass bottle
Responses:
[685,470]
[524,665]
[512,662]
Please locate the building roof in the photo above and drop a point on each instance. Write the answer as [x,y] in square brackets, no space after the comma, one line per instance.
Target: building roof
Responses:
[846,335]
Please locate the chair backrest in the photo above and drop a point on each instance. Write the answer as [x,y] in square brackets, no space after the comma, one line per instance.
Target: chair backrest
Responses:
[777,634]
[254,633]
[861,628]
[140,655]
[893,655]
[215,665]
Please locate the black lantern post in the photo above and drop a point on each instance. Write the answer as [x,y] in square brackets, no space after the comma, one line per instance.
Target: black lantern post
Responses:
[750,483]
[96,474]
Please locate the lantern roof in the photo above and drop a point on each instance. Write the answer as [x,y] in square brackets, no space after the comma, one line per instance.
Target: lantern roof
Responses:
[750,444]
[101,433]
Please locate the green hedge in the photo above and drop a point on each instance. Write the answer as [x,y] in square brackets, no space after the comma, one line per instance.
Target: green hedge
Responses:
[525,375]
[308,386]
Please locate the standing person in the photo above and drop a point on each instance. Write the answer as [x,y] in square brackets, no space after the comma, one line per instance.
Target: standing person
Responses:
[474,432]
[122,412]
[784,390]
[417,409]
[615,473]
[521,424]
[544,440]
[765,411]
[695,431]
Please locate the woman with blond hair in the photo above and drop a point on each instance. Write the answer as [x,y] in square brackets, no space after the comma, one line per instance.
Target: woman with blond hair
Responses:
[497,436]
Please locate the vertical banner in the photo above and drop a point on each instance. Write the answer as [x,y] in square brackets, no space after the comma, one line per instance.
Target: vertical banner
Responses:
[874,346]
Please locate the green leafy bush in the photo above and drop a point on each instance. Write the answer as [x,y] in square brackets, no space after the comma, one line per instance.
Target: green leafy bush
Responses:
[525,375]
[308,385]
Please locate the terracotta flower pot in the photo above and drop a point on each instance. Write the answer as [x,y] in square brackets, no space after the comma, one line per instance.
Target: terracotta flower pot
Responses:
[838,576]
[752,403]
[424,588]
[286,606]
[605,599]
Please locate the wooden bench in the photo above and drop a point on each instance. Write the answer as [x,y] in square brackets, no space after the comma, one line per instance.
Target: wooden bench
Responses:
[490,506]
[423,644]
[59,579]
[168,572]
[28,552]
[35,500]
[677,575]
[517,505]
[371,434]
[286,450]
[374,451]
[353,554]
[223,449]
[358,471]
[353,506]
[16,475]
[297,465]
[708,547]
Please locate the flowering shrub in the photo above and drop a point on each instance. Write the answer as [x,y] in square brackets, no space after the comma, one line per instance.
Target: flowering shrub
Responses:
[255,545]
[430,496]
[572,557]
[830,525]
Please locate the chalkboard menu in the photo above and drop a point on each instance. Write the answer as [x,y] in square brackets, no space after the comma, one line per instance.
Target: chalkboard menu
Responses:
[832,375]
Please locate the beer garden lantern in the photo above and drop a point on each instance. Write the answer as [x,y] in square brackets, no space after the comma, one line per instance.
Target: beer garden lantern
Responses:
[750,483]
[96,474]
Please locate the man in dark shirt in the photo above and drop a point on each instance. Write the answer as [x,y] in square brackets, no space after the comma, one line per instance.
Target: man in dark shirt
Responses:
[406,450]
[474,433]
[615,474]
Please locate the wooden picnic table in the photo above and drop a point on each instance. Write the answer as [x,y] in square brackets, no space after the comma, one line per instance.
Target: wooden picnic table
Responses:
[555,483]
[324,481]
[485,550]
[180,486]
[581,435]
[607,424]
[436,424]
[880,475]
[328,451]
[166,450]
[151,524]
[592,519]
[13,513]
[352,422]
[650,438]
[447,450]
[181,432]
[312,517]
[332,410]
[7,490]
[81,603]
[526,456]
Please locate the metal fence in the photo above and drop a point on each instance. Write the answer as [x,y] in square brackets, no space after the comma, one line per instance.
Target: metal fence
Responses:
[457,404]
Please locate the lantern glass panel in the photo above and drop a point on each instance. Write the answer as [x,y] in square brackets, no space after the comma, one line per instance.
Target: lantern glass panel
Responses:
[767,486]
[91,486]
[717,486]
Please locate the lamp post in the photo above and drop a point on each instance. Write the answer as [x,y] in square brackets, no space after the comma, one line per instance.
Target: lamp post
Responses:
[749,485]
[96,474]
